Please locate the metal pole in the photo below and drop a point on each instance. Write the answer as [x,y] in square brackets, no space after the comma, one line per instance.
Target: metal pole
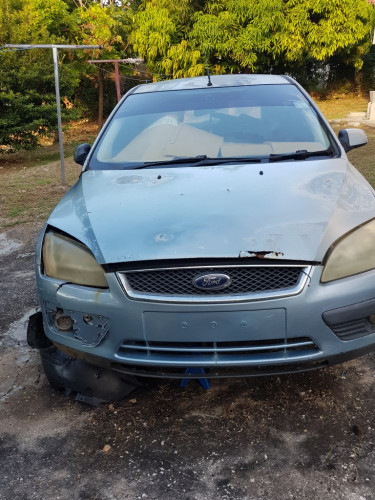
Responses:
[59,125]
[49,46]
[56,70]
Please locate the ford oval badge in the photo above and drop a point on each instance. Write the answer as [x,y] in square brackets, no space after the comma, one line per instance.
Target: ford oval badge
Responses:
[213,281]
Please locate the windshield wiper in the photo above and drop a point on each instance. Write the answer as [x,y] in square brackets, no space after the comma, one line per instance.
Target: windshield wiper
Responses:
[234,159]
[175,161]
[300,155]
[203,160]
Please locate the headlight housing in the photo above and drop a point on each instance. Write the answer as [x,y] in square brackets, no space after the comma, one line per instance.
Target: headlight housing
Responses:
[69,260]
[352,254]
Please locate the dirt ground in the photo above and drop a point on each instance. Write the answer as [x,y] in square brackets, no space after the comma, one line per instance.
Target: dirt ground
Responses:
[293,437]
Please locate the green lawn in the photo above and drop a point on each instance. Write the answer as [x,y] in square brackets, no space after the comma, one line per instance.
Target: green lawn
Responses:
[341,105]
[363,158]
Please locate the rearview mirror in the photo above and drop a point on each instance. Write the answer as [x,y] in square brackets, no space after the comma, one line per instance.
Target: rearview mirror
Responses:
[81,152]
[352,138]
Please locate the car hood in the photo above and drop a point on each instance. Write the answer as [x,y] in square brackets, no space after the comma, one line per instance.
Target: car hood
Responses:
[286,210]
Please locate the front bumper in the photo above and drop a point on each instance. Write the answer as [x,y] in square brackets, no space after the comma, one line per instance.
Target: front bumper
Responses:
[218,372]
[273,336]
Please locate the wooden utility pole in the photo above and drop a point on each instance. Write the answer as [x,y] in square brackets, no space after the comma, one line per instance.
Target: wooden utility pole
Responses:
[117,74]
[57,86]
[116,62]
[101,98]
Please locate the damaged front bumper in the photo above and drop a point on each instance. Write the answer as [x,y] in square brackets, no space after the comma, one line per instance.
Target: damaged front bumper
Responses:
[89,383]
[273,336]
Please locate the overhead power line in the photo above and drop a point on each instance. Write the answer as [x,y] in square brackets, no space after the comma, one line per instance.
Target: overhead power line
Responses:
[117,75]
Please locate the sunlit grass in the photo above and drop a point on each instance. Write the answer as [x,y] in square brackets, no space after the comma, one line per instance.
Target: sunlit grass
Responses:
[341,105]
[363,158]
[29,194]
[31,180]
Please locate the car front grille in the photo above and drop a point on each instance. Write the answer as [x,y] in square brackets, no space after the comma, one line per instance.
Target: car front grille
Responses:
[247,281]
[215,353]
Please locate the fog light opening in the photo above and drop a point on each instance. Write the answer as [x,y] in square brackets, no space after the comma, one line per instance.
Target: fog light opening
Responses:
[371,319]
[63,321]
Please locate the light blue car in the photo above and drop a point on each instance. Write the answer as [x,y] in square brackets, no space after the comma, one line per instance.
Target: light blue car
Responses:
[217,230]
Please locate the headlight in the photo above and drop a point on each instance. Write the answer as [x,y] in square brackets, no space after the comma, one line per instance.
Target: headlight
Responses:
[354,253]
[69,260]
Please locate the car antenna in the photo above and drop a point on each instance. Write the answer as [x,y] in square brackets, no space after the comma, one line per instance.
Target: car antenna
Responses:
[209,84]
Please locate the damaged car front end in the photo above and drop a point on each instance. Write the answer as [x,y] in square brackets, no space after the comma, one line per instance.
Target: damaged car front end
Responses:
[215,227]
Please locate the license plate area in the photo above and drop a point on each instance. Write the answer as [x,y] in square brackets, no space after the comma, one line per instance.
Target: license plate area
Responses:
[263,324]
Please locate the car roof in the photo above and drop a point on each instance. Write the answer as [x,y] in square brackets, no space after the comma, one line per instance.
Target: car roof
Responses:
[216,80]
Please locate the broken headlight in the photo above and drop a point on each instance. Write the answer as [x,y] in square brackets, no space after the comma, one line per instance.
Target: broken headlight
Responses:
[352,254]
[69,260]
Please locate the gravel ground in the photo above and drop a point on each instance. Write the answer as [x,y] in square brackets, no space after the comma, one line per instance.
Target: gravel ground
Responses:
[302,436]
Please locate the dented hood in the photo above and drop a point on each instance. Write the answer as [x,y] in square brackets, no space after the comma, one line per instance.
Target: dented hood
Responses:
[286,210]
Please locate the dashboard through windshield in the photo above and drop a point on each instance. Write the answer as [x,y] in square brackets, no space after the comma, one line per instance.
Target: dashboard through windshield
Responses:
[257,121]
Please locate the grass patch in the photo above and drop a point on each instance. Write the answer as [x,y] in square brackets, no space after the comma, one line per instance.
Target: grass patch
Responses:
[42,182]
[341,105]
[77,134]
[30,194]
[31,182]
[363,158]
[17,211]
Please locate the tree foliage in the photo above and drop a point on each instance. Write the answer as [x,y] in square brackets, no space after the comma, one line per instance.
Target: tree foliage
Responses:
[27,86]
[176,38]
[250,35]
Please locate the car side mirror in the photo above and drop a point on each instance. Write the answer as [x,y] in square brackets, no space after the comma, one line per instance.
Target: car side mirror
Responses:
[81,152]
[352,138]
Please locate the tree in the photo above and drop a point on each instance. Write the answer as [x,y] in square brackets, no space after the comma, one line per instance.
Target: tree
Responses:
[176,39]
[182,38]
[109,27]
[27,88]
[27,95]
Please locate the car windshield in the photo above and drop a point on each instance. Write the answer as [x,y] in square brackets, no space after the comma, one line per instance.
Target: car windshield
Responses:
[246,122]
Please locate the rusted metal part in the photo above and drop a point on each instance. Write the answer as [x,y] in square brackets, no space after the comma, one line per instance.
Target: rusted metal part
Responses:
[263,254]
